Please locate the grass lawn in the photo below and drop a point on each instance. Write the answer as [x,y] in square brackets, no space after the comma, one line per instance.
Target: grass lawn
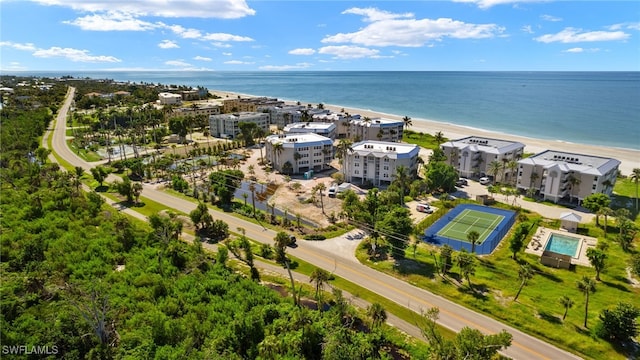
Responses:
[537,311]
[421,139]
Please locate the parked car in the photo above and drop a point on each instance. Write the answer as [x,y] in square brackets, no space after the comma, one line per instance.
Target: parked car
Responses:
[424,208]
[462,182]
[292,242]
[332,191]
[485,180]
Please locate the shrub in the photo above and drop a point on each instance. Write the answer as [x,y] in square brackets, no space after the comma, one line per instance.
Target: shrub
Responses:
[315,237]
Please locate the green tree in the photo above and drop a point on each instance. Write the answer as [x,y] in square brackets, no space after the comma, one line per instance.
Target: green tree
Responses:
[597,258]
[567,304]
[320,188]
[125,188]
[525,273]
[441,177]
[342,150]
[403,179]
[587,285]
[99,173]
[494,169]
[248,131]
[439,138]
[201,217]
[319,277]
[446,259]
[467,265]
[396,225]
[619,325]
[472,237]
[635,178]
[224,184]
[377,313]
[467,344]
[595,202]
[136,190]
[407,122]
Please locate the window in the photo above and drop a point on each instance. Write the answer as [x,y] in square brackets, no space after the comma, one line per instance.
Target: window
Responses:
[357,157]
[385,168]
[385,175]
[356,172]
[356,164]
[593,187]
[386,160]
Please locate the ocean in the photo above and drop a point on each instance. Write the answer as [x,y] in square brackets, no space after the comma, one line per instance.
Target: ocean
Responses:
[595,108]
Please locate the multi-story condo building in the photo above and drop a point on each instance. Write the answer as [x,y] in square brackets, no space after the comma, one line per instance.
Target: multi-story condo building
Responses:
[226,125]
[299,153]
[165,98]
[375,162]
[282,116]
[325,129]
[472,156]
[255,104]
[341,120]
[198,110]
[556,175]
[375,129]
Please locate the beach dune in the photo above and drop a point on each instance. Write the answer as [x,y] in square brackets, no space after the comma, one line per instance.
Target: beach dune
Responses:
[629,158]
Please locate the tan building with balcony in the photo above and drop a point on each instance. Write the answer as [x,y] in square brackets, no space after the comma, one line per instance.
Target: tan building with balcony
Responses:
[299,153]
[472,156]
[376,162]
[557,175]
[255,104]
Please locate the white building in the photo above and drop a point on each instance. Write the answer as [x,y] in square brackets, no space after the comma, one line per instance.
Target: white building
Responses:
[298,153]
[165,98]
[341,120]
[376,161]
[472,156]
[321,128]
[377,129]
[556,175]
[226,125]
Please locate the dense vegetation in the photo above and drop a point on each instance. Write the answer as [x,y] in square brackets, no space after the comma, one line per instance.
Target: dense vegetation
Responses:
[79,280]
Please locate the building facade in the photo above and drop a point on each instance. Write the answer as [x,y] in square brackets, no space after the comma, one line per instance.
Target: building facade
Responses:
[377,129]
[325,129]
[376,162]
[556,175]
[472,156]
[255,104]
[165,98]
[299,153]
[198,110]
[226,125]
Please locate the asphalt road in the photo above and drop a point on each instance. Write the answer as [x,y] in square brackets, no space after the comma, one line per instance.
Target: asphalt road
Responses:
[452,316]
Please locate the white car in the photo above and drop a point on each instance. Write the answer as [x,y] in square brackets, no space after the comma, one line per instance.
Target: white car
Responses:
[484,180]
[424,208]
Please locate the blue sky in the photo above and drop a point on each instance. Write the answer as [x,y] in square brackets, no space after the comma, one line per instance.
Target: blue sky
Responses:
[238,35]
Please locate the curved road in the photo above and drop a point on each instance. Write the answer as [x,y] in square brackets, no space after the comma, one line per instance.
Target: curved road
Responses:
[452,316]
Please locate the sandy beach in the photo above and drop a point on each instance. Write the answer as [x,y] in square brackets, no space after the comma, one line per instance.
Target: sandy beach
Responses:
[629,159]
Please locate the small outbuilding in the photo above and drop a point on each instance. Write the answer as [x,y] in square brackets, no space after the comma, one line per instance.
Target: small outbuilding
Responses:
[569,221]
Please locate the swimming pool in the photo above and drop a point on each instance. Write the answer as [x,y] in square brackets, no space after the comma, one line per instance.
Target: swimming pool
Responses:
[562,244]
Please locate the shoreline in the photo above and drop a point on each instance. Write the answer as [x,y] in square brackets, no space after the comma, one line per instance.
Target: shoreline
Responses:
[629,158]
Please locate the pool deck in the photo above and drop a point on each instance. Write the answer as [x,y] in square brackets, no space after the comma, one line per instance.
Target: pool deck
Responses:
[539,242]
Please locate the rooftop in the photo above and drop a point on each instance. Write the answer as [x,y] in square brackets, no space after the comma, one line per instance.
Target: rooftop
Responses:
[299,138]
[573,162]
[377,122]
[384,147]
[486,144]
[311,126]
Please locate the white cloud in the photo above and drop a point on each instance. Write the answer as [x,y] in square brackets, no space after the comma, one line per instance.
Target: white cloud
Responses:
[286,67]
[527,29]
[168,44]
[18,46]
[305,51]
[227,54]
[577,50]
[185,33]
[572,35]
[485,4]
[221,44]
[202,58]
[74,55]
[373,14]
[225,37]
[238,62]
[111,21]
[410,32]
[348,52]
[177,63]
[224,9]
[630,26]
[551,18]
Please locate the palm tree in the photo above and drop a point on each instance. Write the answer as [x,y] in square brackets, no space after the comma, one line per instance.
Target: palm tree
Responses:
[407,122]
[252,188]
[343,148]
[635,178]
[319,188]
[567,303]
[377,313]
[403,178]
[319,277]
[472,237]
[524,274]
[277,150]
[439,138]
[512,165]
[587,285]
[574,182]
[534,176]
[494,168]
[597,258]
[467,264]
[606,212]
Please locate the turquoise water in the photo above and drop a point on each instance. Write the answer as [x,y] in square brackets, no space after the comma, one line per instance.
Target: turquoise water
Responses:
[596,108]
[561,244]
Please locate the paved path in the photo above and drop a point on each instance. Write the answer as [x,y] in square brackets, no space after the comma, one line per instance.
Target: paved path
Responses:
[452,316]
